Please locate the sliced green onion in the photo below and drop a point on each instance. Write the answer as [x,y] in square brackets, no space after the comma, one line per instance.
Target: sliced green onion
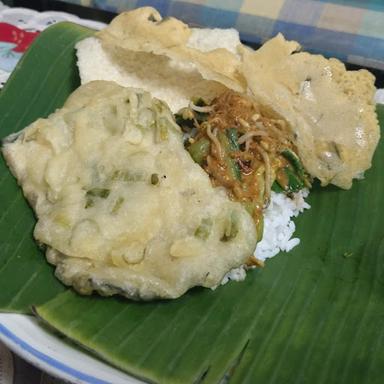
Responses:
[93,193]
[120,175]
[154,179]
[204,229]
[99,192]
[119,202]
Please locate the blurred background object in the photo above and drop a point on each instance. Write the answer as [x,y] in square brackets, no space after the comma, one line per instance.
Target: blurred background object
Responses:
[6,365]
[351,30]
[14,370]
[20,26]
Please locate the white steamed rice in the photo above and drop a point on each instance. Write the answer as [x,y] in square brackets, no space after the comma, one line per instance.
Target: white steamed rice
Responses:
[278,229]
[278,224]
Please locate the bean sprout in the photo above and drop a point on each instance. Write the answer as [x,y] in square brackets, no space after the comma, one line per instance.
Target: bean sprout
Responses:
[248,135]
[205,109]
[215,141]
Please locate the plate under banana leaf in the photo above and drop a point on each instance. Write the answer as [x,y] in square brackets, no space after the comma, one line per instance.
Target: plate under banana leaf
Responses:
[315,315]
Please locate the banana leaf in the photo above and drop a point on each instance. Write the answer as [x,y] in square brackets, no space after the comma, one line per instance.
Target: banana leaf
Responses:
[40,83]
[315,315]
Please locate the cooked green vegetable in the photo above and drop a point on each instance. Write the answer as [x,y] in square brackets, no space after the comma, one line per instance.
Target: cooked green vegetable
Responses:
[199,150]
[292,177]
[227,145]
[233,138]
[233,168]
[295,161]
[277,188]
[288,180]
[295,183]
[247,152]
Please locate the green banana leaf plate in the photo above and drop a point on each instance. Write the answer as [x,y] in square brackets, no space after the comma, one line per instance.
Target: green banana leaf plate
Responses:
[315,315]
